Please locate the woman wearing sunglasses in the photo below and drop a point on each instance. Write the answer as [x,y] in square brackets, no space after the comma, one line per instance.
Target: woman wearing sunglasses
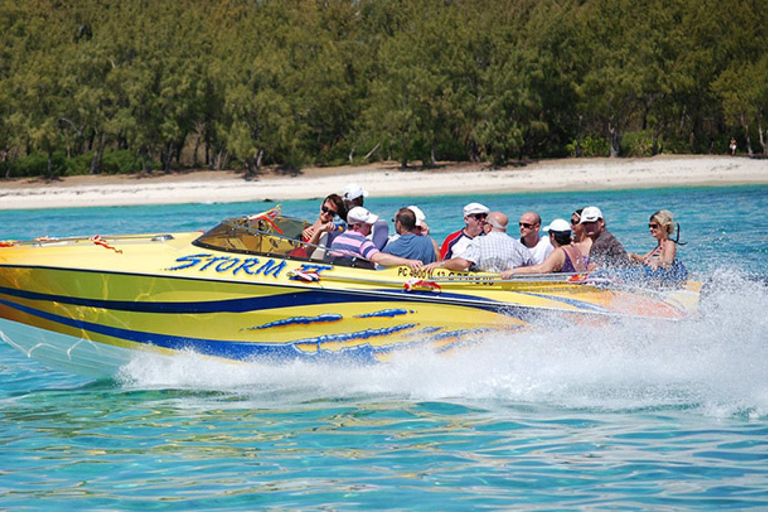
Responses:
[332,206]
[661,262]
[661,226]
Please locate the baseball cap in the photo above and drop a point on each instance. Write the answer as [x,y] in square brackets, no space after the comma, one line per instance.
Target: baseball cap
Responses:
[353,191]
[591,214]
[360,215]
[475,208]
[558,226]
[420,217]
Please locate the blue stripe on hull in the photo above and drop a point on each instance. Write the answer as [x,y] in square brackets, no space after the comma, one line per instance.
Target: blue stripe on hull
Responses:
[227,349]
[275,301]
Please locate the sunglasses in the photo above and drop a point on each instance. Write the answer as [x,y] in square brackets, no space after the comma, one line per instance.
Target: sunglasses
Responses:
[479,216]
[526,225]
[574,222]
[653,225]
[325,209]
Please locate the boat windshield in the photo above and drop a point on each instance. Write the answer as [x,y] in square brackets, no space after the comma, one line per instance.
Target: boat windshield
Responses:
[267,233]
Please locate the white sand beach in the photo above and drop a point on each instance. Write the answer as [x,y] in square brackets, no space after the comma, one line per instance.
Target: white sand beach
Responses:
[386,179]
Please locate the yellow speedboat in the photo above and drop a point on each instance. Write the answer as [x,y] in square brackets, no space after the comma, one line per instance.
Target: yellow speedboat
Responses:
[87,304]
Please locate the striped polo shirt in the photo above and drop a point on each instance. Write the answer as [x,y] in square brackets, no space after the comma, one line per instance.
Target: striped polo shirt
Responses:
[352,244]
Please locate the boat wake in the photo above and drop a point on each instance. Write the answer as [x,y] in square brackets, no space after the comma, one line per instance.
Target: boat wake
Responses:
[713,364]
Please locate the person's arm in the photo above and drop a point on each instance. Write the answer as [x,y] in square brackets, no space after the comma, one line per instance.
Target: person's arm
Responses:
[553,263]
[457,263]
[389,260]
[317,232]
[311,235]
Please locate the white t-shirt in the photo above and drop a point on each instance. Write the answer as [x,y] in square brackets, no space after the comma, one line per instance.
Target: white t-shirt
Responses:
[540,251]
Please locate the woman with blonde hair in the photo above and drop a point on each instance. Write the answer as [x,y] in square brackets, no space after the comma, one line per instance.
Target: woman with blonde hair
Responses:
[661,261]
[661,226]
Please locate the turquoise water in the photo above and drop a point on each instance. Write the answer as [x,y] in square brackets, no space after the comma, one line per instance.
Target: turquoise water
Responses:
[637,416]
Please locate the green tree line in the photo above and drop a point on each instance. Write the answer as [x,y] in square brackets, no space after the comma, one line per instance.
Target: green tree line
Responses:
[92,86]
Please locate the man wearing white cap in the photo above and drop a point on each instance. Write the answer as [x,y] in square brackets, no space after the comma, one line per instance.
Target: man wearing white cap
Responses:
[354,244]
[494,252]
[603,249]
[566,257]
[474,222]
[353,195]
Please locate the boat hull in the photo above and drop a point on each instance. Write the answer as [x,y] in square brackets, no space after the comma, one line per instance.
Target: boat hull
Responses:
[86,306]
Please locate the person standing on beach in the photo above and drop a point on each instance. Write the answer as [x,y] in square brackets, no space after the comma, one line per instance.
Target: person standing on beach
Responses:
[474,223]
[733,146]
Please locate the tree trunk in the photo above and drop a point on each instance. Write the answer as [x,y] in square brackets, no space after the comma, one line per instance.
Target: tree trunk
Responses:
[144,153]
[259,159]
[195,158]
[579,135]
[655,148]
[253,164]
[474,152]
[98,153]
[371,152]
[167,157]
[49,170]
[248,168]
[219,161]
[9,170]
[614,141]
[432,157]
[746,133]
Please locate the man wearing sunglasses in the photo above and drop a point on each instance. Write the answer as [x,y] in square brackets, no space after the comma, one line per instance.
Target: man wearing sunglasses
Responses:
[474,222]
[538,246]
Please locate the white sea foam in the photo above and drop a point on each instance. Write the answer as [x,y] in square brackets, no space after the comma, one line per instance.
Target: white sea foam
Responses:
[714,364]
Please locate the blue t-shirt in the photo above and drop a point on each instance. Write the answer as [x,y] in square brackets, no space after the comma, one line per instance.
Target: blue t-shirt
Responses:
[413,247]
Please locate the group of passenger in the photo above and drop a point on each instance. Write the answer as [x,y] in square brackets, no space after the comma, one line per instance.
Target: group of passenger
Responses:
[483,244]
